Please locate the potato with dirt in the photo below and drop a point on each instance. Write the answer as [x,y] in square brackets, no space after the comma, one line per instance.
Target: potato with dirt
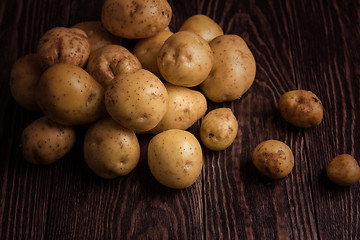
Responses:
[343,170]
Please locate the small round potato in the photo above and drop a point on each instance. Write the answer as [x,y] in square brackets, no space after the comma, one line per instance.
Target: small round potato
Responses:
[175,158]
[301,108]
[343,170]
[218,129]
[203,26]
[44,141]
[273,158]
[63,45]
[24,76]
[111,150]
[185,59]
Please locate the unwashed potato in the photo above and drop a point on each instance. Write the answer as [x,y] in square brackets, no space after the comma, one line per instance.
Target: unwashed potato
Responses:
[111,60]
[70,96]
[301,108]
[111,150]
[175,158]
[63,45]
[44,141]
[202,25]
[273,158]
[218,129]
[233,71]
[186,106]
[343,170]
[24,76]
[185,59]
[135,19]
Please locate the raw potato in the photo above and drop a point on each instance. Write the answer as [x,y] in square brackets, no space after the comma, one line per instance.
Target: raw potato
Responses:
[24,76]
[175,158]
[135,18]
[109,61]
[202,25]
[185,59]
[273,158]
[63,45]
[343,170]
[218,129]
[301,108]
[233,70]
[186,106]
[44,141]
[137,100]
[70,96]
[111,150]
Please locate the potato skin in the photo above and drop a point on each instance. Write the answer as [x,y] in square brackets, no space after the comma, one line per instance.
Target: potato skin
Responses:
[343,170]
[175,158]
[44,141]
[273,158]
[111,150]
[301,108]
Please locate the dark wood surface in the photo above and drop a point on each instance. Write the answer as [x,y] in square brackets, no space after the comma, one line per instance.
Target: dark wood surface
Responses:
[311,45]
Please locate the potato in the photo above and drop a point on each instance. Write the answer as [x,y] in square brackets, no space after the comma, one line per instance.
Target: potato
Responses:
[343,170]
[44,141]
[70,96]
[218,129]
[137,100]
[233,70]
[98,36]
[273,158]
[63,45]
[110,150]
[175,158]
[135,19]
[301,108]
[24,76]
[186,106]
[111,60]
[203,26]
[147,50]
[185,59]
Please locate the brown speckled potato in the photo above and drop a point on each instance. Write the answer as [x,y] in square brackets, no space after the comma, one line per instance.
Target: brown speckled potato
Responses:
[185,59]
[135,19]
[233,70]
[175,158]
[203,26]
[301,108]
[218,129]
[44,141]
[137,100]
[273,158]
[343,170]
[63,45]
[111,60]
[24,76]
[70,96]
[111,150]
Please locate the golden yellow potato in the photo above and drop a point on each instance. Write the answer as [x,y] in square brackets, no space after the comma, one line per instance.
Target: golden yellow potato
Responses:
[202,25]
[301,108]
[70,96]
[44,141]
[135,18]
[137,100]
[110,150]
[218,129]
[63,45]
[24,76]
[273,158]
[233,70]
[343,170]
[175,158]
[185,59]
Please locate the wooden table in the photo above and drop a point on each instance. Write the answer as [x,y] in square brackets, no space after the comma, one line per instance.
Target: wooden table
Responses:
[305,44]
